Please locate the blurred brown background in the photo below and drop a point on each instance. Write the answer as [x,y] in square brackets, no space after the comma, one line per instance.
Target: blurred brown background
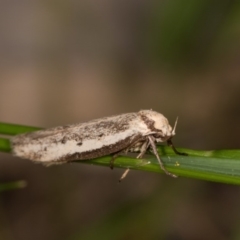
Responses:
[71,61]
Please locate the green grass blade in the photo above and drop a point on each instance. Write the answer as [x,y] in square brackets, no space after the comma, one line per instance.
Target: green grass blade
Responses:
[217,165]
[5,145]
[13,129]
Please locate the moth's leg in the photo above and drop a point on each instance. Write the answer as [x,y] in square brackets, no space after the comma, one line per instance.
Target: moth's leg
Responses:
[152,143]
[124,174]
[115,155]
[169,143]
[143,148]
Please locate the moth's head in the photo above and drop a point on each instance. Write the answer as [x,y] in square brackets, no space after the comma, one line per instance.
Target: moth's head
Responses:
[158,125]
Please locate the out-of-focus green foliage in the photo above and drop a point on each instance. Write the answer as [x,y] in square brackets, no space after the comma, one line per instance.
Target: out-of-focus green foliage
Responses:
[12,185]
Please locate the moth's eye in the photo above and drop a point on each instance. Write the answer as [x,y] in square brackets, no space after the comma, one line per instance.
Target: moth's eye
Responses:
[157,135]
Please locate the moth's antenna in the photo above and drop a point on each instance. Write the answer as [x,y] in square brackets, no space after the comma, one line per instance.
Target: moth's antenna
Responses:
[175,125]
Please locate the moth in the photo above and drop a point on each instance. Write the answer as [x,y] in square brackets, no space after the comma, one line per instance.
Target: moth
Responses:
[130,132]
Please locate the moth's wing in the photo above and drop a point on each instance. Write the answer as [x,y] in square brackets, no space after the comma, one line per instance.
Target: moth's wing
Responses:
[82,141]
[41,146]
[112,147]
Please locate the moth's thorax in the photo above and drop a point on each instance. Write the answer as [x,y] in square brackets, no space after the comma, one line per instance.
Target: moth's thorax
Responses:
[157,125]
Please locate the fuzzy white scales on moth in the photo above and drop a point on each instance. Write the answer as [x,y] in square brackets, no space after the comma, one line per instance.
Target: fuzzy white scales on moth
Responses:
[130,132]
